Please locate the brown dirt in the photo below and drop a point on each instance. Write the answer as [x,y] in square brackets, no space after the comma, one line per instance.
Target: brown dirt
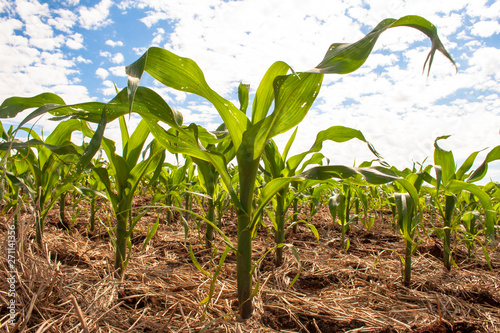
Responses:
[337,291]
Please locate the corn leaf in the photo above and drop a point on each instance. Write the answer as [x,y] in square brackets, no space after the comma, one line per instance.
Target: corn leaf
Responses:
[343,58]
[184,74]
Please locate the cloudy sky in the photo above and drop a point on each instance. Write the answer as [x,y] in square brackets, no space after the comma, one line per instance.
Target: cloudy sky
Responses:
[79,48]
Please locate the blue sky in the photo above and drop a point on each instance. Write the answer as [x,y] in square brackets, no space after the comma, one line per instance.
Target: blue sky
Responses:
[78,49]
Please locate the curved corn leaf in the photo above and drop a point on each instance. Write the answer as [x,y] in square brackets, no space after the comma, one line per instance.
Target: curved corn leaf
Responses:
[343,58]
[456,186]
[59,150]
[14,105]
[294,95]
[480,172]
[334,133]
[444,159]
[243,93]
[373,175]
[184,74]
[264,95]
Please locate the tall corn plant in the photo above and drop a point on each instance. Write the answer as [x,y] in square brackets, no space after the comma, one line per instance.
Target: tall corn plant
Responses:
[292,94]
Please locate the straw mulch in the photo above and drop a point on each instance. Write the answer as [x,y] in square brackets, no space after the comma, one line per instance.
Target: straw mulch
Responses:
[68,286]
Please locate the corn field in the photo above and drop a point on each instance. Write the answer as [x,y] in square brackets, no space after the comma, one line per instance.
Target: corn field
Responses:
[238,236]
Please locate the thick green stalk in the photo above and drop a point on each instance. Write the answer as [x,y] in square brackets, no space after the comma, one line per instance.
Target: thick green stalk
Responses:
[92,213]
[121,243]
[168,203]
[280,223]
[209,233]
[448,217]
[38,229]
[295,214]
[248,173]
[62,209]
[407,268]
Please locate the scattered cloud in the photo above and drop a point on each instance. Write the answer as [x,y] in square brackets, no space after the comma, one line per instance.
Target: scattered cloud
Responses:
[46,47]
[485,28]
[75,41]
[95,17]
[114,43]
[105,54]
[118,71]
[64,21]
[101,73]
[117,58]
[109,88]
[81,59]
[159,36]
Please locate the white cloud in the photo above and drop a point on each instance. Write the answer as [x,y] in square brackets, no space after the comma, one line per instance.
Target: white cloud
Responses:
[83,60]
[75,41]
[113,43]
[485,28]
[105,54]
[159,36]
[117,58]
[398,109]
[95,17]
[101,73]
[153,18]
[109,88]
[118,71]
[65,21]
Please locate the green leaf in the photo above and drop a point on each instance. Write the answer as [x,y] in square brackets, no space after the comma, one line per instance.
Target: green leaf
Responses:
[133,147]
[289,144]
[445,160]
[333,133]
[243,92]
[373,175]
[151,233]
[12,106]
[94,145]
[264,95]
[184,74]
[294,95]
[59,150]
[343,58]
[466,165]
[480,172]
[456,186]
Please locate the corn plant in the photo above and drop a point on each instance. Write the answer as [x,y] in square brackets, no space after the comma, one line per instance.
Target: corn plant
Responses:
[42,169]
[121,184]
[279,165]
[339,206]
[292,94]
[408,220]
[451,181]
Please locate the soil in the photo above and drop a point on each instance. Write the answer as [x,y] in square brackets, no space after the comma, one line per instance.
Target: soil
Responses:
[355,290]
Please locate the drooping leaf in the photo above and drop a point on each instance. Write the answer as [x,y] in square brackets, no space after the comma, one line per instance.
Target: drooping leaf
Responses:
[480,172]
[343,58]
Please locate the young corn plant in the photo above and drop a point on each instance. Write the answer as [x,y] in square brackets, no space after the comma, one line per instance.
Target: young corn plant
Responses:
[292,94]
[278,165]
[450,182]
[408,220]
[41,170]
[339,206]
[122,182]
